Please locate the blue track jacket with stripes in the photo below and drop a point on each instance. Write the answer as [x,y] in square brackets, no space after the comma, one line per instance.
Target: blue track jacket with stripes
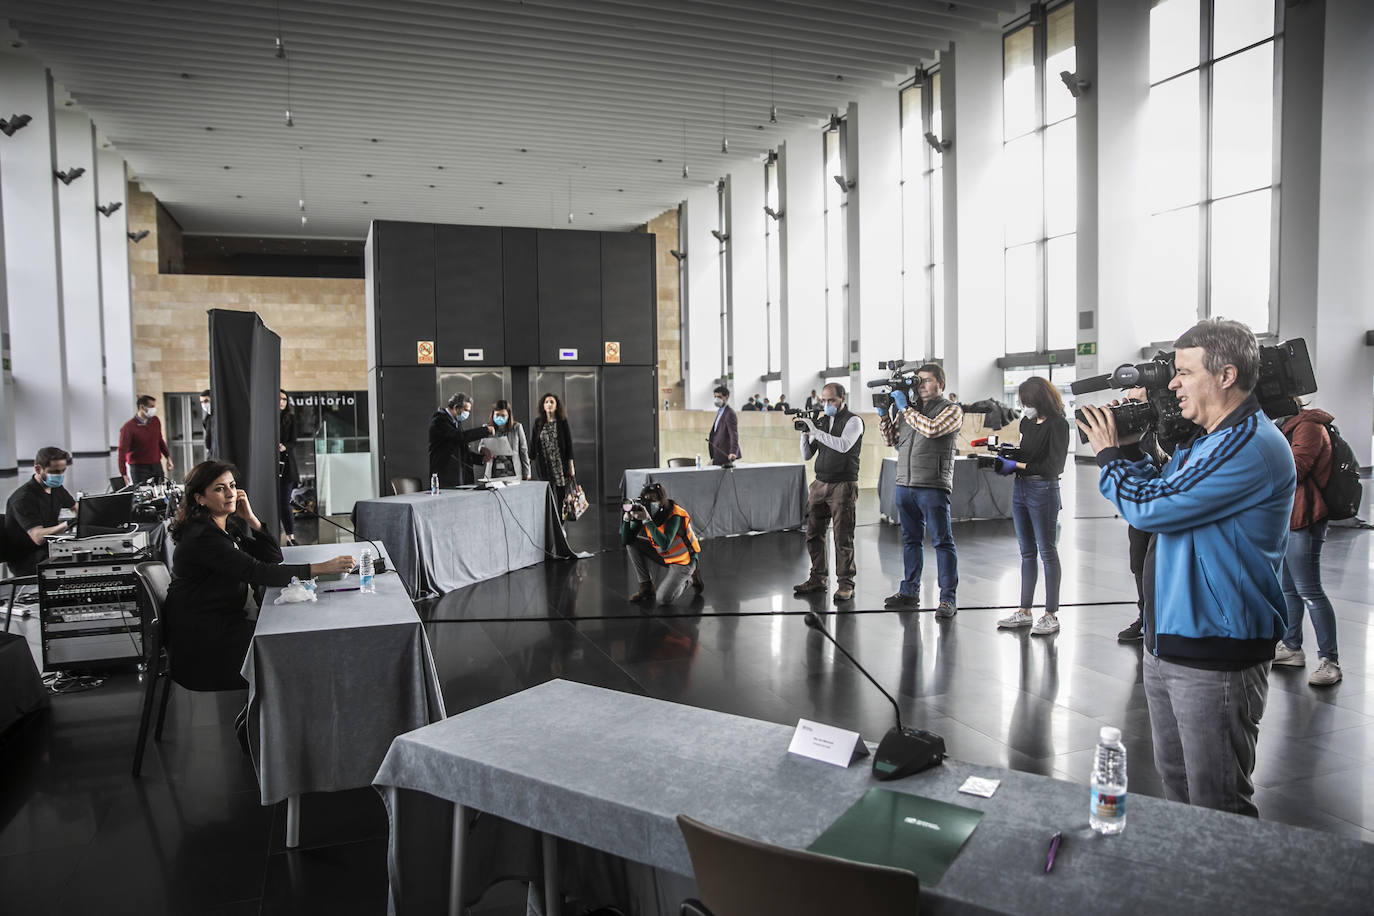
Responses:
[1220,509]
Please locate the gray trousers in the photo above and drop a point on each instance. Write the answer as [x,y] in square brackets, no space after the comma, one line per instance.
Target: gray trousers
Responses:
[675,580]
[1205,725]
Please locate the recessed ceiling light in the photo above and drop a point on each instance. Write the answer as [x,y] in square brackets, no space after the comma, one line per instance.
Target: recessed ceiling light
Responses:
[226,168]
[500,182]
[364,202]
[238,196]
[367,175]
[439,167]
[375,140]
[480,207]
[658,160]
[523,150]
[620,190]
[209,128]
[185,76]
[431,186]
[839,76]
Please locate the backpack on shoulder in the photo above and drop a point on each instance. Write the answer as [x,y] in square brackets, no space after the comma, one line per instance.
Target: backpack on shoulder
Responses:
[1343,491]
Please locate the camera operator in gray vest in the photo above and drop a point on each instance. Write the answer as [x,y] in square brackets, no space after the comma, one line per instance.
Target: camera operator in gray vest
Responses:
[834,440]
[924,435]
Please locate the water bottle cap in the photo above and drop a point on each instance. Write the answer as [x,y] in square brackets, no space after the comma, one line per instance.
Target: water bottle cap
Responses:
[1110,734]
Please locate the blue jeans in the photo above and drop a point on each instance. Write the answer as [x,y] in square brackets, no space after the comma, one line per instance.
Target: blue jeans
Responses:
[1302,587]
[1035,511]
[917,509]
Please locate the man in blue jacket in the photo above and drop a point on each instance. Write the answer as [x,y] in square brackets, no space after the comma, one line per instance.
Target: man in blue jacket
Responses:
[1219,509]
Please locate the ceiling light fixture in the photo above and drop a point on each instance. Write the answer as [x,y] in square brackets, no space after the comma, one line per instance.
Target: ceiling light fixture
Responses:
[282,55]
[15,122]
[724,141]
[684,149]
[110,208]
[300,173]
[772,91]
[1077,87]
[138,236]
[570,209]
[70,175]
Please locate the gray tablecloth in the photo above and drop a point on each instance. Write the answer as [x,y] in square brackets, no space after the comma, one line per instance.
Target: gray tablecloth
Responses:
[977,494]
[612,771]
[749,497]
[332,682]
[444,542]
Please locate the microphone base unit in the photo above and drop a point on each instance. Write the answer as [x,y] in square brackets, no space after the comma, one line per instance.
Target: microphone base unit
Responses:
[904,751]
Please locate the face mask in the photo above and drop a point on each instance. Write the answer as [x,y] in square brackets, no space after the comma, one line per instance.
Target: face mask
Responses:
[720,402]
[205,407]
[54,480]
[831,410]
[152,411]
[1031,413]
[463,416]
[499,421]
[653,508]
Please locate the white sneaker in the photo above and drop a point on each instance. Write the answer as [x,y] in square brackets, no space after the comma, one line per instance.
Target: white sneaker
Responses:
[1328,672]
[1022,618]
[1293,658]
[1046,625]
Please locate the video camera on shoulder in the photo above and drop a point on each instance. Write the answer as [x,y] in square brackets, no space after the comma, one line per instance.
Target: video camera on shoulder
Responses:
[813,414]
[903,378]
[998,450]
[1285,373]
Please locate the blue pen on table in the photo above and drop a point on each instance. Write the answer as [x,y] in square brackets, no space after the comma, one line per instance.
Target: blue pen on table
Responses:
[1054,848]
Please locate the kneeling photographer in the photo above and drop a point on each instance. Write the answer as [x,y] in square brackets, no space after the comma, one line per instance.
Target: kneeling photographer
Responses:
[1035,500]
[658,532]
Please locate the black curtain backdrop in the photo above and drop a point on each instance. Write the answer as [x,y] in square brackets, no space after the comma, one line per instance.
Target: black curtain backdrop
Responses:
[245,378]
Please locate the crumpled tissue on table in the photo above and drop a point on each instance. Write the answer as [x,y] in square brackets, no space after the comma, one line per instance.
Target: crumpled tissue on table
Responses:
[297,592]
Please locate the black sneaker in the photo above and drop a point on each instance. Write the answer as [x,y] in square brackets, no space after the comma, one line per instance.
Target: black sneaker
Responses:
[903,602]
[1133,632]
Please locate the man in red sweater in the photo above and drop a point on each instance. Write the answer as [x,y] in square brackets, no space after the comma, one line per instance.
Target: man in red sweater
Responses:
[141,446]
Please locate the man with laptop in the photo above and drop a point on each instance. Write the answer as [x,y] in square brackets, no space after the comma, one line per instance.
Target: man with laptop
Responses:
[33,511]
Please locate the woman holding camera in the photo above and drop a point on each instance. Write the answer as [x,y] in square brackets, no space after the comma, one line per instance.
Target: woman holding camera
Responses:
[1035,500]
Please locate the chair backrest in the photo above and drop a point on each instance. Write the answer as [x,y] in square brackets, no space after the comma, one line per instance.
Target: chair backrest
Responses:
[156,579]
[401,485]
[682,462]
[737,876]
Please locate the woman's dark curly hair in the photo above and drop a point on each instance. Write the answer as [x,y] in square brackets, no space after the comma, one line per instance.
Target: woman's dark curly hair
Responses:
[198,479]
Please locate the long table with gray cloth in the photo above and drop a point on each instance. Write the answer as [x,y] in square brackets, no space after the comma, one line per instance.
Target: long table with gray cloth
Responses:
[977,494]
[747,497]
[464,535]
[611,771]
[331,682]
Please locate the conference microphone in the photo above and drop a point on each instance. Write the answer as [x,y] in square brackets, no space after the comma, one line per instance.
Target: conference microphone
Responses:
[378,559]
[902,751]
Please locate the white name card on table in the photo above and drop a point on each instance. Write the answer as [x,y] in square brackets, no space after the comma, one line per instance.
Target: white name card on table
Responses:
[827,744]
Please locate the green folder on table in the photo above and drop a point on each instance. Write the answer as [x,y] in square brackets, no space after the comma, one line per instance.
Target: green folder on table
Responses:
[890,828]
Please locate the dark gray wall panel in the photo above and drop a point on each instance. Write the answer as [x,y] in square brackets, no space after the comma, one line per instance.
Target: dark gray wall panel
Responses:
[628,440]
[469,307]
[520,267]
[629,298]
[404,289]
[569,297]
[407,396]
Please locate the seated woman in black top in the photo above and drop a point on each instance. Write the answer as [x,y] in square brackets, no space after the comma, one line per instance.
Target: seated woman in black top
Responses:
[1043,450]
[221,549]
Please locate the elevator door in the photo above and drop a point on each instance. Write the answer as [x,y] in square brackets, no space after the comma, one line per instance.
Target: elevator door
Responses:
[484,386]
[576,388]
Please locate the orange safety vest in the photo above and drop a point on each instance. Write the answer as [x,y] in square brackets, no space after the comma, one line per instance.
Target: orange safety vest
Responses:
[682,548]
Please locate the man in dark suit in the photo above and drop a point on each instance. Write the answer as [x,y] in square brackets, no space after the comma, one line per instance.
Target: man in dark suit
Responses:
[724,439]
[449,455]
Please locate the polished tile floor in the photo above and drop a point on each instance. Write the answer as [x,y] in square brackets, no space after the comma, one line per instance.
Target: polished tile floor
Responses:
[78,835]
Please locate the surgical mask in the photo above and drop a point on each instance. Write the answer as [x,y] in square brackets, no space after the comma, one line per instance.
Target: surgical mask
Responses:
[205,406]
[499,421]
[720,402]
[653,508]
[1031,413]
[152,411]
[463,416]
[54,480]
[831,410]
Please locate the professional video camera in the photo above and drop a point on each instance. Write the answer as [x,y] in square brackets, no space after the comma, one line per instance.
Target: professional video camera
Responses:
[903,379]
[813,414]
[1285,373]
[157,499]
[998,449]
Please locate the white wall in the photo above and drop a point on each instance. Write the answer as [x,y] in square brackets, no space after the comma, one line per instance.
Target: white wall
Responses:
[877,241]
[8,457]
[802,243]
[748,281]
[703,302]
[112,187]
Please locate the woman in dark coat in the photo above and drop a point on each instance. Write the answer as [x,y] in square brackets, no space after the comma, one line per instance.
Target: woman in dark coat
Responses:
[552,446]
[221,549]
[288,475]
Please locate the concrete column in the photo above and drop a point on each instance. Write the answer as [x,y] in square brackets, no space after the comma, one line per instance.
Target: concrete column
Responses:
[81,264]
[801,173]
[748,281]
[33,258]
[112,188]
[975,323]
[876,240]
[703,302]
[8,459]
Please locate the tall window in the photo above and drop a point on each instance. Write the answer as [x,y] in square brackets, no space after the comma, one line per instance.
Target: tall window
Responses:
[772,255]
[1214,163]
[922,219]
[836,253]
[1040,201]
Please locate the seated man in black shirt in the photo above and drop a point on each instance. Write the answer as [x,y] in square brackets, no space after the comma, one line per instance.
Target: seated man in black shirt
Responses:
[31,514]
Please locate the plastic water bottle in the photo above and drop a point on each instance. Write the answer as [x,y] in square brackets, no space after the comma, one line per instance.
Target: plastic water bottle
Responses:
[433,484]
[366,579]
[698,461]
[1107,804]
